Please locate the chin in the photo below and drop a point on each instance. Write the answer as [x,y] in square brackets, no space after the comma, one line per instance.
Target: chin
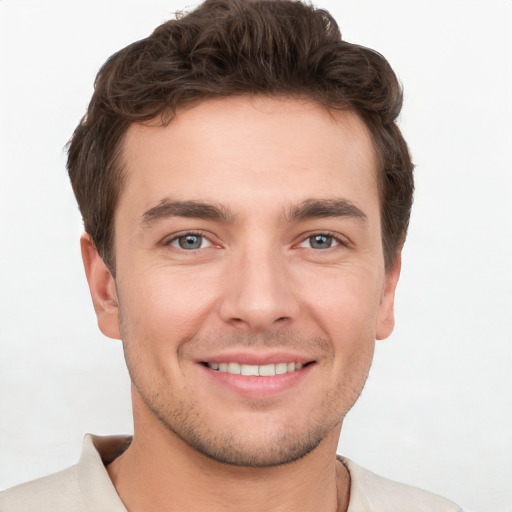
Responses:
[260,440]
[235,449]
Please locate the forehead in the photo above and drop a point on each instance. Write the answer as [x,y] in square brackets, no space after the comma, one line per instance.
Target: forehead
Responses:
[239,149]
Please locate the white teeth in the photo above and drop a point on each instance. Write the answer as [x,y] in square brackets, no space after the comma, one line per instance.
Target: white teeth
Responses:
[249,369]
[265,370]
[281,368]
[234,368]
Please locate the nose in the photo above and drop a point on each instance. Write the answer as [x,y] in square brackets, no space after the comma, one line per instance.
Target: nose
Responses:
[258,292]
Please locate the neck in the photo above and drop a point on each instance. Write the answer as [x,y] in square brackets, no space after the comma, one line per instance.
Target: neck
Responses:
[159,472]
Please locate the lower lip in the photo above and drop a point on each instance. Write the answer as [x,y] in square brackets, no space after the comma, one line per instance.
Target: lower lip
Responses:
[258,387]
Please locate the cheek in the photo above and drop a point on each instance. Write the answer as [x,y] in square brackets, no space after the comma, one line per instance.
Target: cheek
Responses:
[345,303]
[164,308]
[346,309]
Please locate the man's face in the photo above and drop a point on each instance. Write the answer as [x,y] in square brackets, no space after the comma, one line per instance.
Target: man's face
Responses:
[248,239]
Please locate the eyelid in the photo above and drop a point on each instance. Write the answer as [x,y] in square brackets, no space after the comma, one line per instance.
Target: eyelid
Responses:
[167,241]
[340,240]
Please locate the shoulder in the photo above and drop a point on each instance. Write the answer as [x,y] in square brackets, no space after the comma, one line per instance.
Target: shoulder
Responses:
[372,493]
[59,492]
[84,487]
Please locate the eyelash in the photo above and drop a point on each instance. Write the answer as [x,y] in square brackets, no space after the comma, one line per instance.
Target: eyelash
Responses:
[339,241]
[185,234]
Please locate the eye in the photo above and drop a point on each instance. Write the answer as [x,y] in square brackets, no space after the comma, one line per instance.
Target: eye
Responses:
[190,242]
[320,241]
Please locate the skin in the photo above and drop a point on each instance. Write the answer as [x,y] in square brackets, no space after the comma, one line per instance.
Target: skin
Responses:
[269,277]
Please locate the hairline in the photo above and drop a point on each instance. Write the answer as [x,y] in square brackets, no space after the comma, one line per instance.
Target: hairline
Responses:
[120,172]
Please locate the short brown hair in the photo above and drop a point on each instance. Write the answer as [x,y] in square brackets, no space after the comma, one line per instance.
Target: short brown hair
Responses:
[238,47]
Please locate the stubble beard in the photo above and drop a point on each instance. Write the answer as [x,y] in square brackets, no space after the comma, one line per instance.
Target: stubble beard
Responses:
[187,420]
[230,446]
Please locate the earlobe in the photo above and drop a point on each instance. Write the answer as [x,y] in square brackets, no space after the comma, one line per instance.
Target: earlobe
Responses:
[102,288]
[386,320]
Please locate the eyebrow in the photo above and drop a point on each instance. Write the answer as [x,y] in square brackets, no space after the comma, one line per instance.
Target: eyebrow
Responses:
[193,209]
[320,208]
[309,209]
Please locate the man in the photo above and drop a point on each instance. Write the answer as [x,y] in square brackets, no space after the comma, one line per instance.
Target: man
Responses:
[245,194]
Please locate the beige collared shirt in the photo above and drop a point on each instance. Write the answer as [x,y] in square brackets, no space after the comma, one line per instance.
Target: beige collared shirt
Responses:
[86,487]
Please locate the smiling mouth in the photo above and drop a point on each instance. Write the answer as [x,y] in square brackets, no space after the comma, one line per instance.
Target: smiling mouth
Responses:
[265,370]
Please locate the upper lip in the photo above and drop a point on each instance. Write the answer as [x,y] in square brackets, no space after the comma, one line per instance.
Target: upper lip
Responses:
[257,358]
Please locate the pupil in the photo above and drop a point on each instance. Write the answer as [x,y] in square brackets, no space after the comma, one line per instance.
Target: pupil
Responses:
[190,242]
[321,242]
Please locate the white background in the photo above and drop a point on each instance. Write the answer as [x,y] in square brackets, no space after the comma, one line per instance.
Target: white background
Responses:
[437,410]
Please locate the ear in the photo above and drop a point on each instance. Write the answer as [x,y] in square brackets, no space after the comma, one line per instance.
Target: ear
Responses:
[102,287]
[386,318]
